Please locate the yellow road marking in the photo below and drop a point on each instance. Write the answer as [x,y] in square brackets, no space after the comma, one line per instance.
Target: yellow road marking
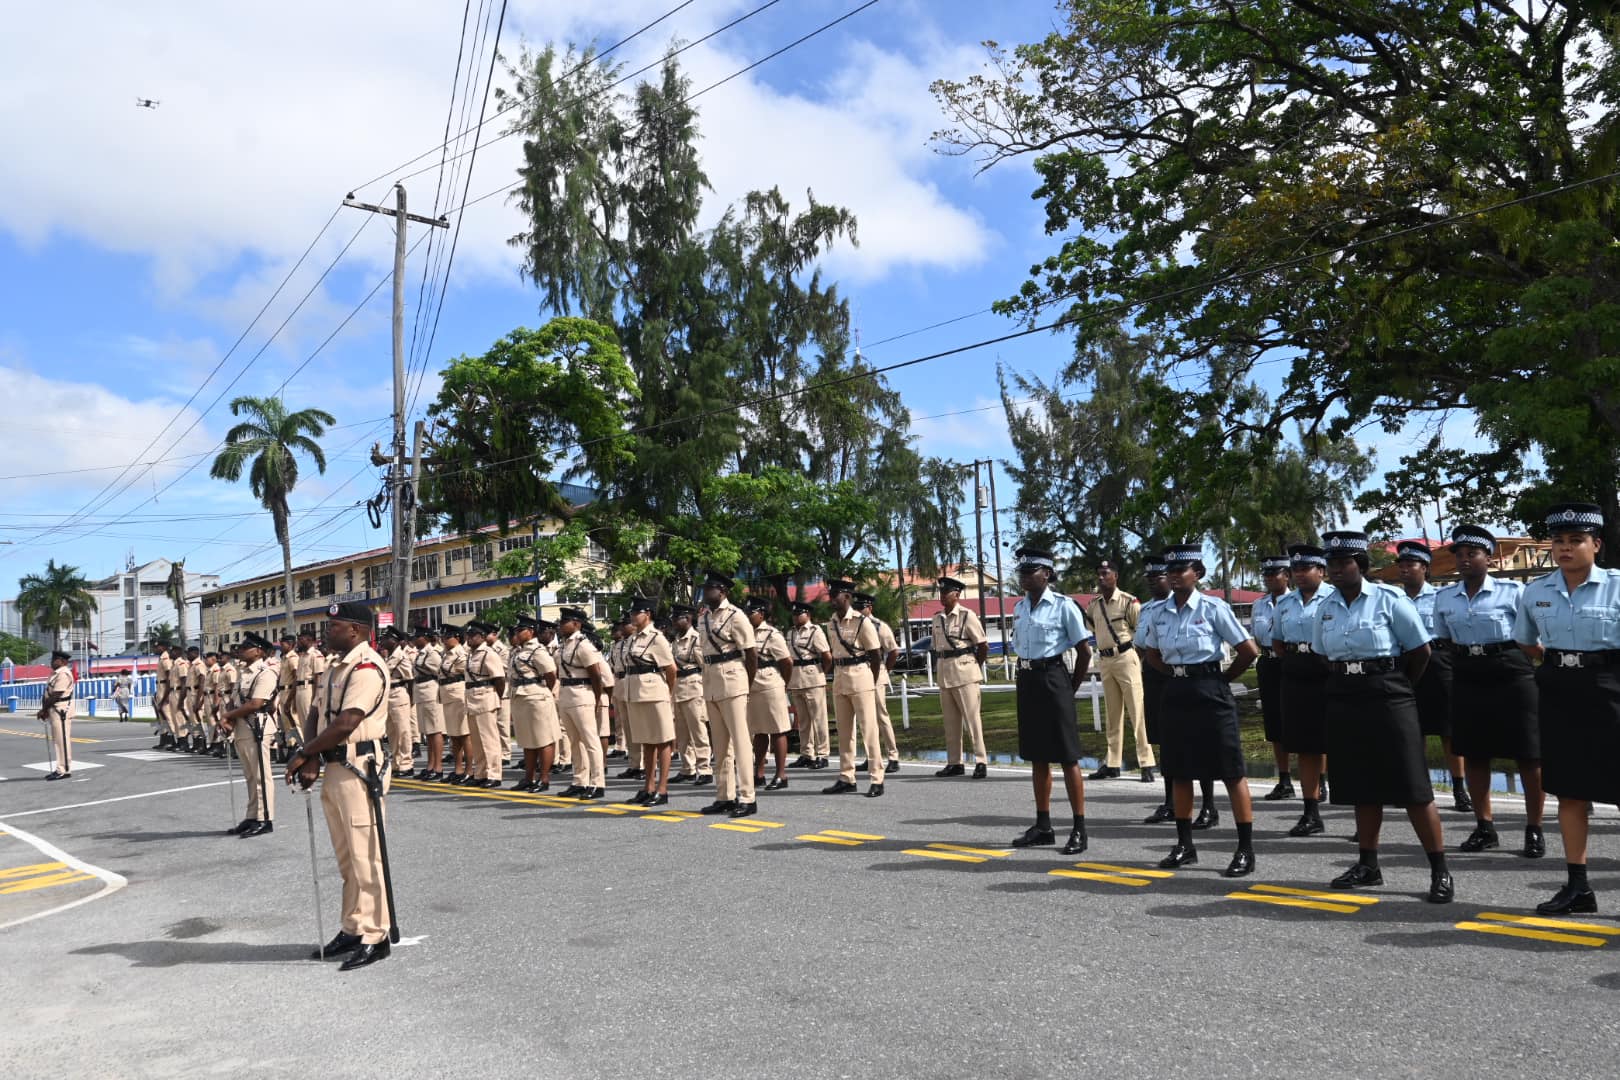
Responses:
[850,835]
[1136,870]
[65,876]
[766,824]
[684,815]
[947,855]
[1311,894]
[1294,902]
[1549,924]
[614,810]
[661,817]
[1521,932]
[838,841]
[41,735]
[30,871]
[551,801]
[1111,879]
[994,853]
[734,828]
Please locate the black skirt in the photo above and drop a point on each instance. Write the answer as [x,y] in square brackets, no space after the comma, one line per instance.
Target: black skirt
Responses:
[1434,696]
[1375,742]
[1269,671]
[1304,691]
[1201,730]
[1495,708]
[1047,730]
[1580,732]
[1153,681]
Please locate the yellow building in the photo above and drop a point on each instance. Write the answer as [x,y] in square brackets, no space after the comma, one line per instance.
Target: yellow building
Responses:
[450,583]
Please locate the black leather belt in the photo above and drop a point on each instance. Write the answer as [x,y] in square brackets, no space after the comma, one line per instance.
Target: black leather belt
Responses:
[850,661]
[423,680]
[1293,648]
[524,680]
[949,654]
[1117,650]
[479,684]
[643,669]
[1187,671]
[1377,665]
[576,682]
[451,679]
[683,672]
[1573,658]
[337,754]
[1494,648]
[722,657]
[303,682]
[1040,663]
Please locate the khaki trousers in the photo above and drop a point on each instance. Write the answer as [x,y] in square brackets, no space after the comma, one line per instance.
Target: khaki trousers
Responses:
[810,710]
[400,722]
[359,854]
[880,695]
[960,704]
[733,749]
[692,737]
[565,750]
[59,732]
[254,754]
[291,723]
[484,724]
[579,722]
[302,699]
[853,709]
[170,720]
[506,729]
[1122,692]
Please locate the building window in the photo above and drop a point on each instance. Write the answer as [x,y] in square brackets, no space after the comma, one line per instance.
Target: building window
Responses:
[326,584]
[482,556]
[306,589]
[512,543]
[425,566]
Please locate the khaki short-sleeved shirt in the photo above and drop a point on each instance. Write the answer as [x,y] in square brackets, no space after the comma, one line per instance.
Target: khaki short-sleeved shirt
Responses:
[807,643]
[484,664]
[531,662]
[954,630]
[286,670]
[257,680]
[722,631]
[61,682]
[772,646]
[577,656]
[1113,622]
[688,653]
[401,673]
[165,674]
[852,636]
[648,646]
[357,680]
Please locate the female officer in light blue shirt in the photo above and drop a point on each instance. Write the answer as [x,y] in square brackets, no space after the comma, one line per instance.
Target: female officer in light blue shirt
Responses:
[1304,680]
[1573,616]
[1413,560]
[1182,638]
[1494,699]
[1376,647]
[1274,570]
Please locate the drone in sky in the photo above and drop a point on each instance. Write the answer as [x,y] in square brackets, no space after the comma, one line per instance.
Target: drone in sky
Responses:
[146,103]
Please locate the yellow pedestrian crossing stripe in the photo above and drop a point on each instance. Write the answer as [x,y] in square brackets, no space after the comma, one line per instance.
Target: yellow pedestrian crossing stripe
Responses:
[850,835]
[947,856]
[662,817]
[732,827]
[1135,871]
[21,879]
[963,849]
[828,838]
[1334,897]
[41,735]
[1112,874]
[1092,875]
[1305,899]
[1537,928]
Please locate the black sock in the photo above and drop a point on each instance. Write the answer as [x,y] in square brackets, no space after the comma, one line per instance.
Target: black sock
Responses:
[1457,783]
[1577,875]
[1043,819]
[1485,823]
[1369,857]
[1080,822]
[1169,791]
[1310,808]
[1284,777]
[1437,862]
[1245,835]
[1207,789]
[1184,831]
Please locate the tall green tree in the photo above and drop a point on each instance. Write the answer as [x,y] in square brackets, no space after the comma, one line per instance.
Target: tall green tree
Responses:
[1195,159]
[55,599]
[266,445]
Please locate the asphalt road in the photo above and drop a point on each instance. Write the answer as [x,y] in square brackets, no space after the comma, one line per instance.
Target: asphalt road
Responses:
[548,940]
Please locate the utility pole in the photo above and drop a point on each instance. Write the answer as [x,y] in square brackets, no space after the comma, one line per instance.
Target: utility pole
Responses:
[1001,582]
[398,481]
[979,500]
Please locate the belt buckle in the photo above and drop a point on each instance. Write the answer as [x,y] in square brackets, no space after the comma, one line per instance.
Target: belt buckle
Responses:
[1179,670]
[1476,650]
[1024,665]
[1353,667]
[1305,647]
[1569,660]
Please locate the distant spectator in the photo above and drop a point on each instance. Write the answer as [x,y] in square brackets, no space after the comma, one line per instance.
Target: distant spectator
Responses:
[123,684]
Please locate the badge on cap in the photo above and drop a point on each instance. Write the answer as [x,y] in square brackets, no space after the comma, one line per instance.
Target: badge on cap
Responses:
[333,609]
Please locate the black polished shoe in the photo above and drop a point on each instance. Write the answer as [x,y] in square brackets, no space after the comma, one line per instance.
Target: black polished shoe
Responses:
[745,809]
[1163,814]
[1242,865]
[1106,772]
[703,779]
[892,769]
[523,785]
[592,793]
[491,783]
[638,798]
[632,774]
[759,783]
[1207,818]
[1076,843]
[364,955]
[874,791]
[1035,836]
[259,829]
[951,770]
[1322,791]
[241,827]
[1535,844]
[1308,825]
[657,800]
[564,769]
[55,774]
[980,772]
[1442,890]
[805,761]
[1483,838]
[1359,876]
[863,767]
[776,783]
[1283,790]
[614,755]
[821,763]
[433,777]
[720,806]
[408,774]
[456,778]
[1569,901]
[1180,855]
[338,946]
[1462,802]
[840,787]
[1148,776]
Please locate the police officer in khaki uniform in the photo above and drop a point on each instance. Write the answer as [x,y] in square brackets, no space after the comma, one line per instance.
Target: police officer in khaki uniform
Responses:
[182,701]
[310,664]
[226,699]
[807,687]
[429,713]
[649,697]
[729,664]
[768,719]
[691,717]
[199,698]
[160,703]
[534,708]
[486,684]
[618,663]
[961,650]
[287,721]
[248,725]
[453,703]
[857,659]
[889,649]
[581,668]
[564,763]
[345,732]
[501,644]
[1112,619]
[56,710]
[401,679]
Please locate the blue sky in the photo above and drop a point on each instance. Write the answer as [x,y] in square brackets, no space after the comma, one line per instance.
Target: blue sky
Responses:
[137,245]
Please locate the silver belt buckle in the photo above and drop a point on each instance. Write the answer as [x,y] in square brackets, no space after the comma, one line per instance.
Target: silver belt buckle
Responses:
[1352,667]
[1476,650]
[1569,660]
[1305,647]
[1024,665]
[1179,671]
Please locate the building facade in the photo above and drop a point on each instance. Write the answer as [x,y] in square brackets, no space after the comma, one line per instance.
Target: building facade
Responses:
[128,605]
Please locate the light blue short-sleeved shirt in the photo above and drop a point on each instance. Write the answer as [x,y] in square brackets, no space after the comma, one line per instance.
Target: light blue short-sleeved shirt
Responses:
[1051,628]
[1191,633]
[1263,618]
[1381,621]
[1295,615]
[1583,621]
[1482,619]
[1424,602]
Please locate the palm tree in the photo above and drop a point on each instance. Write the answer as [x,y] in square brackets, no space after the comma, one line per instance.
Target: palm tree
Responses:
[271,439]
[54,599]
